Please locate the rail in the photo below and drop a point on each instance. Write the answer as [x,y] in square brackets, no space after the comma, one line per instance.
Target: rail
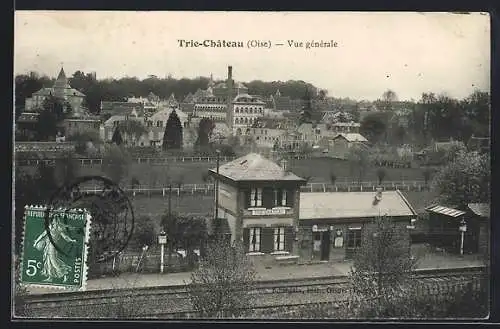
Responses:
[271,294]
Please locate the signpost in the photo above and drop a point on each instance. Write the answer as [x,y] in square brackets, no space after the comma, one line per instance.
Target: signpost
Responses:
[462,228]
[162,240]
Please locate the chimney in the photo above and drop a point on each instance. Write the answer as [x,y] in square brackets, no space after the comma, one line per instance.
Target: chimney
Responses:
[229,84]
[378,196]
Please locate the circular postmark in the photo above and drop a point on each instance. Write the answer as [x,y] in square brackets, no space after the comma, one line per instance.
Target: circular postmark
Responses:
[111,211]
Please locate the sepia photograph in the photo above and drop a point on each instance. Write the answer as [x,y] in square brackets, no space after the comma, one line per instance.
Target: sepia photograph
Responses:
[243,166]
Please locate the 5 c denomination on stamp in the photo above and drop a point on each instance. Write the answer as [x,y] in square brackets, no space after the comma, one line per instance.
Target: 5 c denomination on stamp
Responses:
[45,265]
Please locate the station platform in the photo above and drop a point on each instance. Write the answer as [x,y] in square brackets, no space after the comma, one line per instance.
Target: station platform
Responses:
[427,259]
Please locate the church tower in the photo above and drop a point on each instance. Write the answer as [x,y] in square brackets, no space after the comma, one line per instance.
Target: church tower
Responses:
[61,84]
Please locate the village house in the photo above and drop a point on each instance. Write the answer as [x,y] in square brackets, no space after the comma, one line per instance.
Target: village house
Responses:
[109,109]
[267,137]
[88,124]
[345,127]
[26,126]
[332,224]
[154,126]
[342,143]
[259,200]
[311,134]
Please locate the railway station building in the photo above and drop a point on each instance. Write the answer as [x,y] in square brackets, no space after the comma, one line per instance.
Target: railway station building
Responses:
[261,205]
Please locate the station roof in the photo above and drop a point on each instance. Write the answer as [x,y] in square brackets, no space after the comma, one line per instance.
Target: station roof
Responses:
[451,212]
[255,167]
[338,205]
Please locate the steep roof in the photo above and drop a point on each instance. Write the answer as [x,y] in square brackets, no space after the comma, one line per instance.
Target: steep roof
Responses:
[255,167]
[353,205]
[62,80]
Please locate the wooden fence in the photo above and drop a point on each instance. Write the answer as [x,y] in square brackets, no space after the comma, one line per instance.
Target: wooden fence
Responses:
[142,160]
[310,187]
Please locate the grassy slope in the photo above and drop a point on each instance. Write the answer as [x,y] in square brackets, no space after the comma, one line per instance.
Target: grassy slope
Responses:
[318,168]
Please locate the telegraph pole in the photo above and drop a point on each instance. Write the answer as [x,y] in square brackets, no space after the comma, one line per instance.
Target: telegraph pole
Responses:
[217,187]
[170,200]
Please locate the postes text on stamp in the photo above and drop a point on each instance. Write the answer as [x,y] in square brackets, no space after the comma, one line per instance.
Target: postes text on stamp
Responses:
[55,255]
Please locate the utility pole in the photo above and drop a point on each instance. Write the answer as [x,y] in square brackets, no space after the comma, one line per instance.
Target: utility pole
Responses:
[217,187]
[170,200]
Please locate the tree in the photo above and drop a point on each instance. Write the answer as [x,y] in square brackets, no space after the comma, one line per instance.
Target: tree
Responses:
[115,163]
[117,138]
[464,180]
[381,271]
[144,232]
[306,113]
[134,182]
[53,112]
[205,130]
[427,174]
[133,128]
[390,96]
[226,150]
[85,142]
[333,177]
[454,151]
[31,189]
[374,126]
[221,286]
[170,225]
[66,169]
[172,138]
[359,161]
[25,86]
[322,94]
[381,172]
[192,234]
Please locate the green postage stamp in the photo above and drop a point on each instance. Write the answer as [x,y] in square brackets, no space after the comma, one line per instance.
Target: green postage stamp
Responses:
[55,248]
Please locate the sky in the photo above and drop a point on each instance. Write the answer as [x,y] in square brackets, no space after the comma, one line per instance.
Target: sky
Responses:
[409,53]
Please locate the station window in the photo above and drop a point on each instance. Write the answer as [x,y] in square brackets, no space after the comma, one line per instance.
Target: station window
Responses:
[254,241]
[279,239]
[256,197]
[354,238]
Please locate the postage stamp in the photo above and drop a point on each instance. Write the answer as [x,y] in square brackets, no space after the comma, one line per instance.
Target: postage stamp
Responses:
[55,250]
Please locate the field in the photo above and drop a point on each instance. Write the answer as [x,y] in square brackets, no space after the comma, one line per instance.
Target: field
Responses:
[204,204]
[319,169]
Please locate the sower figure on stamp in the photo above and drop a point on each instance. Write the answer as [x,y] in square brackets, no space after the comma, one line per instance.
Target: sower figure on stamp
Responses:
[53,265]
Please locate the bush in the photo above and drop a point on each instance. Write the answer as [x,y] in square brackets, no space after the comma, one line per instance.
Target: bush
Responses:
[221,286]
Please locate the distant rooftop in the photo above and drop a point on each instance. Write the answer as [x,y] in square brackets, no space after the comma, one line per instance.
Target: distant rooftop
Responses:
[352,137]
[353,205]
[255,167]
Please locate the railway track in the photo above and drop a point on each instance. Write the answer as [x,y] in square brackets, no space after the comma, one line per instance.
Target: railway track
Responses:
[173,301]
